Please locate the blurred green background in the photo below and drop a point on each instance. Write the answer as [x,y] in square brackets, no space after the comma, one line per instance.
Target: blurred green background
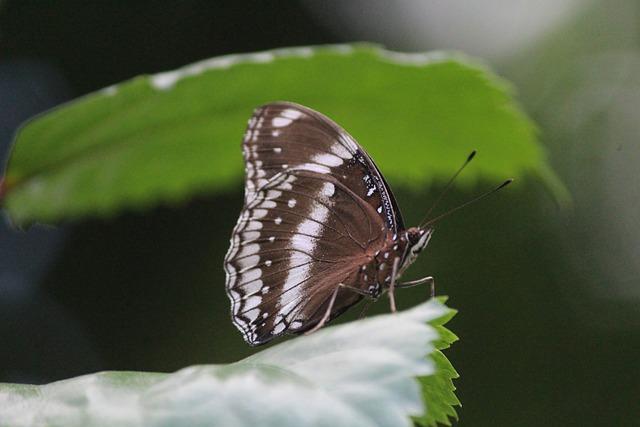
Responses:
[549,298]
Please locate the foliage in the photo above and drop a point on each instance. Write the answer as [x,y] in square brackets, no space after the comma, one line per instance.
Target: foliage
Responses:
[171,136]
[358,374]
[439,388]
[167,137]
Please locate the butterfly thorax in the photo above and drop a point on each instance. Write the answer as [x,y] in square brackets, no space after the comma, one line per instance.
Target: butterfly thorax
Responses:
[417,239]
[404,247]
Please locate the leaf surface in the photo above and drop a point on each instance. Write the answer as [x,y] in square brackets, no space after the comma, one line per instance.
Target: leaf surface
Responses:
[358,374]
[167,137]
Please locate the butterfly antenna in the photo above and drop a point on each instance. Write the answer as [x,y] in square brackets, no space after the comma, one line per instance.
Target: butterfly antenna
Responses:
[448,186]
[480,197]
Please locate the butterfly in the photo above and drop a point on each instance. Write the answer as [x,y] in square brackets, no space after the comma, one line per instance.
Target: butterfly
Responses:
[320,229]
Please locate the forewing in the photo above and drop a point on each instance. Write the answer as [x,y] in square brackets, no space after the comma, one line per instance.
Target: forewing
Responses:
[282,136]
[301,234]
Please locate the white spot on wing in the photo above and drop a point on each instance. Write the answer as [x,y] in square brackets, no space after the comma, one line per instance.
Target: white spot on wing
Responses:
[249,249]
[281,122]
[268,204]
[305,243]
[249,236]
[288,181]
[291,203]
[251,275]
[250,261]
[251,288]
[273,194]
[313,167]
[254,225]
[327,159]
[328,189]
[252,315]
[340,151]
[259,213]
[290,113]
[319,213]
[252,302]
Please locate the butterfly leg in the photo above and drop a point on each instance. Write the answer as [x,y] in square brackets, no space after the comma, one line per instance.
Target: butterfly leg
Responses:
[392,285]
[370,298]
[429,279]
[327,313]
[366,306]
[356,290]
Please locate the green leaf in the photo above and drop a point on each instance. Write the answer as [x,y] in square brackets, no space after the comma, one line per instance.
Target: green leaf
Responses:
[164,138]
[358,374]
[438,389]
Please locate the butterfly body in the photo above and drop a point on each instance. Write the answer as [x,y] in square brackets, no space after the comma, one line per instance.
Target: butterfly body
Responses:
[319,231]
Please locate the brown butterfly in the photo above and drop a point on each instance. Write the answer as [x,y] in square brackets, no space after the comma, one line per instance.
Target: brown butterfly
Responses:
[319,231]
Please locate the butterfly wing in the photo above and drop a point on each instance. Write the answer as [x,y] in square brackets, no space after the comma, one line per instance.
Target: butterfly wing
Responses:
[316,209]
[284,135]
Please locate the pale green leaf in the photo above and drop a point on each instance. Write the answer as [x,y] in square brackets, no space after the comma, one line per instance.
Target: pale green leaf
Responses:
[358,374]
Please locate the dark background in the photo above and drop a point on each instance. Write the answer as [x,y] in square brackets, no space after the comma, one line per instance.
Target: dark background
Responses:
[548,298]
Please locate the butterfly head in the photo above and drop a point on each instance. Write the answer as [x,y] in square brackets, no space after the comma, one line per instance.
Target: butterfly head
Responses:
[417,239]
